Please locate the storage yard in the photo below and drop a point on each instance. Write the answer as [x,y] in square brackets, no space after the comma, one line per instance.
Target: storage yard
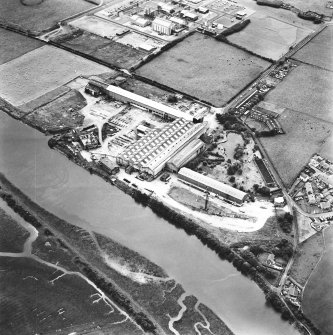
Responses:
[42,16]
[52,66]
[207,69]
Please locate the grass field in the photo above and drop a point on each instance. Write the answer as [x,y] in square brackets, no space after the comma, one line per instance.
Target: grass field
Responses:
[59,113]
[40,17]
[268,37]
[304,137]
[327,149]
[111,52]
[40,71]
[319,50]
[318,294]
[14,45]
[12,235]
[306,258]
[205,68]
[318,6]
[306,89]
[31,304]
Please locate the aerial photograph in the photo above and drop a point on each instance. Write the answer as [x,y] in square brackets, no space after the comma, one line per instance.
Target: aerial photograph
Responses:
[166,167]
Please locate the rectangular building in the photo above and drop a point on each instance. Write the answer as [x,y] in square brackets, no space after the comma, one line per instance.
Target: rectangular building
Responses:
[205,183]
[154,150]
[157,108]
[163,26]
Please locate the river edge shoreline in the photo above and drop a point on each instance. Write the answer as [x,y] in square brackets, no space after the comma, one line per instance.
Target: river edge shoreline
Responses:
[36,216]
[287,311]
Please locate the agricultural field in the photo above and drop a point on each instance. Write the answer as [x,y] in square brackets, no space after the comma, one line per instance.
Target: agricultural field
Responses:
[60,113]
[12,235]
[205,68]
[318,294]
[41,16]
[327,149]
[319,50]
[268,37]
[37,302]
[318,6]
[306,258]
[111,52]
[14,45]
[40,71]
[306,89]
[291,151]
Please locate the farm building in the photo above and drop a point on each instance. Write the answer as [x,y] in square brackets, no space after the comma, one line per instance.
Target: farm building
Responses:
[205,183]
[109,166]
[163,26]
[155,149]
[157,108]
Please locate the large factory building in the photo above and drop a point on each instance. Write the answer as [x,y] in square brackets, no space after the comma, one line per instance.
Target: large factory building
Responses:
[155,149]
[205,183]
[157,108]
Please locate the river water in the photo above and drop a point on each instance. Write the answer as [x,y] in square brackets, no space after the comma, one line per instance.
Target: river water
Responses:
[70,192]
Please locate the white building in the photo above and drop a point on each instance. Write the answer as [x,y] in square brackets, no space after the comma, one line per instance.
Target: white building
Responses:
[163,26]
[154,150]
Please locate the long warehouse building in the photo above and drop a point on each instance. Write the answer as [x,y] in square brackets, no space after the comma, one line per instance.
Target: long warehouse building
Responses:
[205,183]
[154,150]
[154,107]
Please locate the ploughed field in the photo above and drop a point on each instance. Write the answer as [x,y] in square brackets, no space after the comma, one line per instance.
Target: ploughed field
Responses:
[41,71]
[14,45]
[318,294]
[304,137]
[40,15]
[205,68]
[319,50]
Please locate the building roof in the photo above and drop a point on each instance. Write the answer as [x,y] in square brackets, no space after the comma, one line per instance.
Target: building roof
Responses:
[178,20]
[163,22]
[172,112]
[182,155]
[224,188]
[159,145]
[108,163]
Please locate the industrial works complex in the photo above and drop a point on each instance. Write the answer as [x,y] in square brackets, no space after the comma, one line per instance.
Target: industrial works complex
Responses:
[168,147]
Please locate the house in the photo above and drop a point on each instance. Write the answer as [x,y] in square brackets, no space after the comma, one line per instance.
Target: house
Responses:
[109,166]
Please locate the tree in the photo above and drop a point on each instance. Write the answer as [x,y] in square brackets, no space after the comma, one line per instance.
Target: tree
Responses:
[232,179]
[172,98]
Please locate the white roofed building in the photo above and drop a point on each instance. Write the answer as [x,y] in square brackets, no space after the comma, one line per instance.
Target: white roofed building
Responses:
[163,26]
[157,108]
[155,149]
[205,183]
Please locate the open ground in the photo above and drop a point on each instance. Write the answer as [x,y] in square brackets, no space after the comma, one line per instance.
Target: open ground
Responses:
[40,71]
[318,294]
[205,68]
[268,37]
[318,6]
[26,307]
[306,258]
[12,235]
[111,52]
[14,45]
[306,89]
[319,50]
[291,151]
[42,16]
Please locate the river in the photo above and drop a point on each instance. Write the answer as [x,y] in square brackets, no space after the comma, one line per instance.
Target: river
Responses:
[73,194]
